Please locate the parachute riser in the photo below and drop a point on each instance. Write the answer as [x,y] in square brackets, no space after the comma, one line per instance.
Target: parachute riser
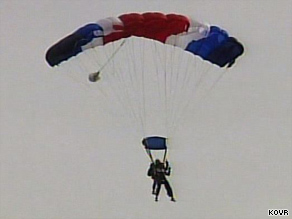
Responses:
[149,154]
[148,151]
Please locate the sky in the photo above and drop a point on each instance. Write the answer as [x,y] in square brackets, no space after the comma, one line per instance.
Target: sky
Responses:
[68,153]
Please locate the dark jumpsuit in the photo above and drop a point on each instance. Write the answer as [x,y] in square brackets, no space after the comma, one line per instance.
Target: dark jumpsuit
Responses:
[158,173]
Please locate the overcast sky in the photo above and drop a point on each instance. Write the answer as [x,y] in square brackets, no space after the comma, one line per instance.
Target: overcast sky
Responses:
[63,155]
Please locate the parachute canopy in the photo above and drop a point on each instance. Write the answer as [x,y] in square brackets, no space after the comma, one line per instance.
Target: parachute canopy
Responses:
[155,143]
[155,66]
[211,43]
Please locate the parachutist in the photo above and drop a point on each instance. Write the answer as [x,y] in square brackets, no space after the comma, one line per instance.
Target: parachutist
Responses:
[158,172]
[94,77]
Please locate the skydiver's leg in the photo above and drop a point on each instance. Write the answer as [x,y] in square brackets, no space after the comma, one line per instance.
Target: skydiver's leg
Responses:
[158,186]
[153,187]
[169,190]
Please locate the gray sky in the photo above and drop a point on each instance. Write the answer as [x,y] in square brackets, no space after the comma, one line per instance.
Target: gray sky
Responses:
[64,156]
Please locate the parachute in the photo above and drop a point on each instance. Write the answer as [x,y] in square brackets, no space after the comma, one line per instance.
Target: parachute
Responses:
[210,43]
[153,62]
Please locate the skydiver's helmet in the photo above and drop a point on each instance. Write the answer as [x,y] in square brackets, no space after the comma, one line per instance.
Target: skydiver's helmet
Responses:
[157,162]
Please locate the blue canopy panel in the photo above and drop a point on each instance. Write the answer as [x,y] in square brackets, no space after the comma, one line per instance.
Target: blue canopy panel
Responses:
[205,46]
[155,143]
[71,45]
[226,53]
[88,33]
